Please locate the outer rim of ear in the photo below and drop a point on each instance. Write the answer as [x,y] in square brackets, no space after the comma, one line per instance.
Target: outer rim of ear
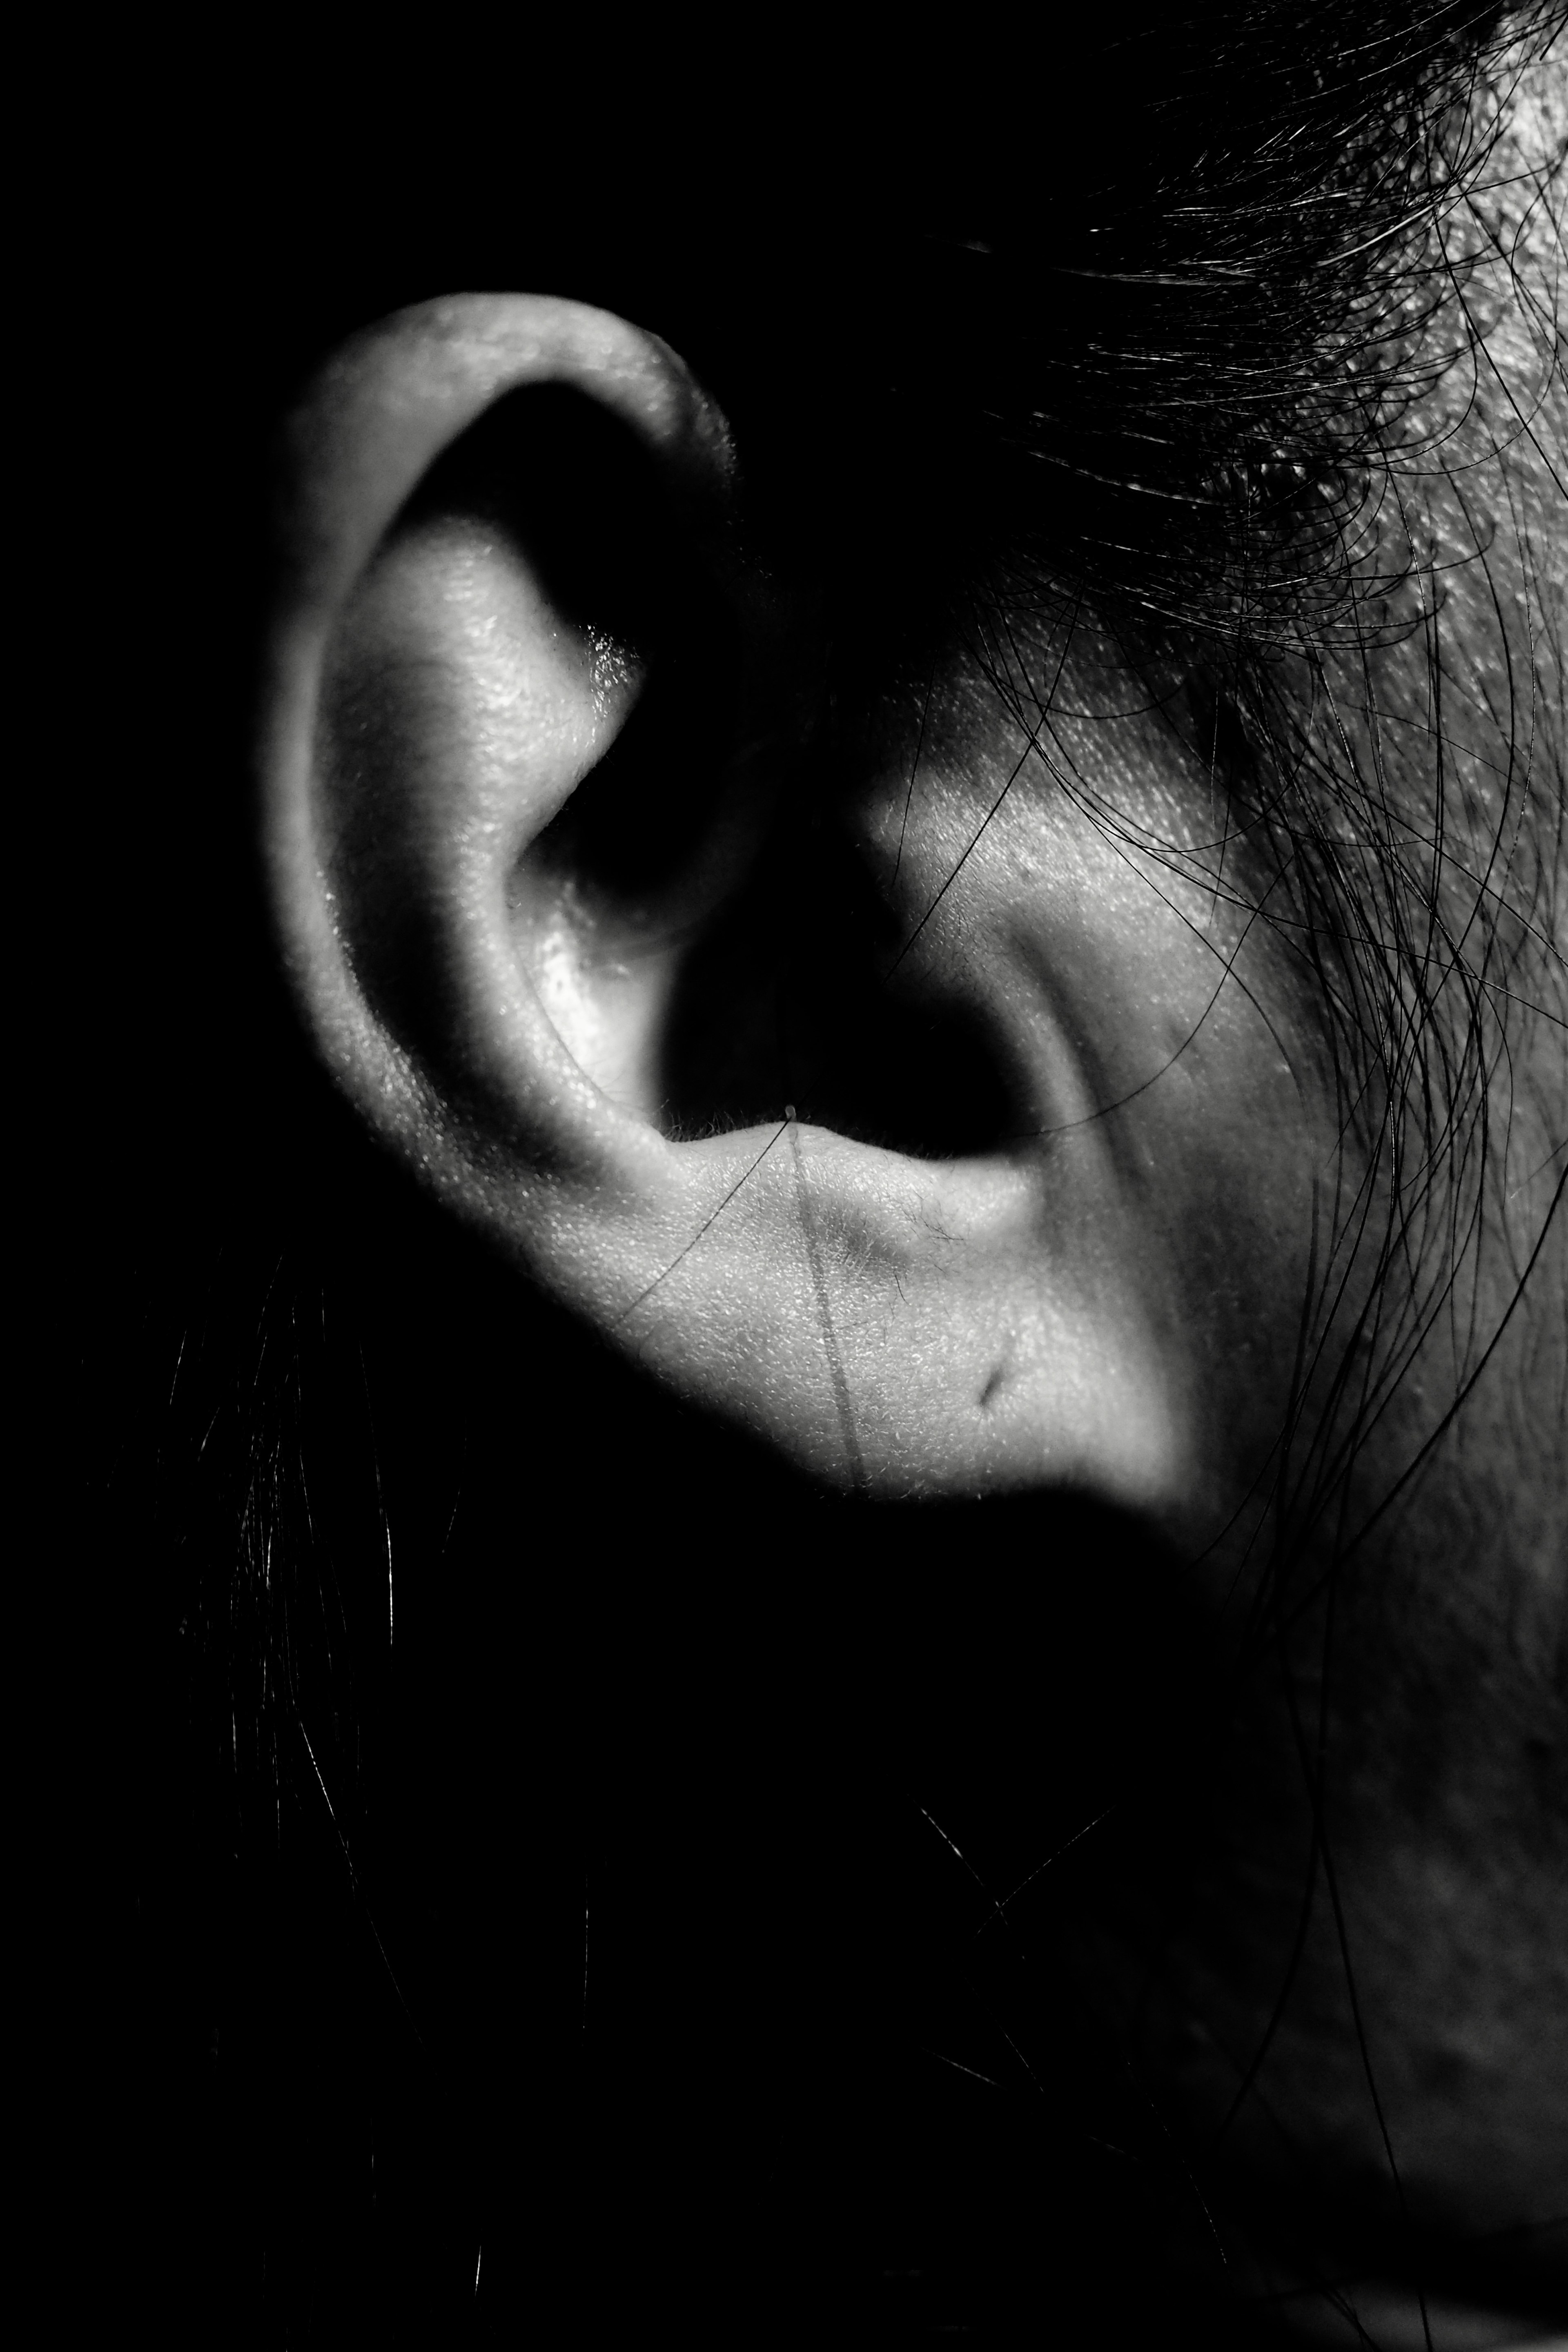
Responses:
[365,432]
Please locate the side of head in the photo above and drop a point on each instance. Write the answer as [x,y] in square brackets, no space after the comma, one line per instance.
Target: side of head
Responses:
[1017,974]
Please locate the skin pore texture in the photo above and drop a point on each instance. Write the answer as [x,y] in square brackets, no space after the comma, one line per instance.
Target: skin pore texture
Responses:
[1240,1202]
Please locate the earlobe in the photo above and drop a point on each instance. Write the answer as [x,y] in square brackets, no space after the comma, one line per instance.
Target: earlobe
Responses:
[533,746]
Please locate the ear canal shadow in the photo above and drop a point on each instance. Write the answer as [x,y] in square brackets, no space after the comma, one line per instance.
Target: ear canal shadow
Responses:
[787,999]
[714,941]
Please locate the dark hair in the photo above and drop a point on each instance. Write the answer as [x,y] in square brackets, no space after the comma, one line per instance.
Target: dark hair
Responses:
[407,1687]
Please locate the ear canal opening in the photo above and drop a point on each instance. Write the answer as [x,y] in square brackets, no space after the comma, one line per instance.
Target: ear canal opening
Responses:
[795,995]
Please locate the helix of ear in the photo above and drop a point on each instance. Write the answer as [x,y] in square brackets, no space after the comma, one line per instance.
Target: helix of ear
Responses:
[492,518]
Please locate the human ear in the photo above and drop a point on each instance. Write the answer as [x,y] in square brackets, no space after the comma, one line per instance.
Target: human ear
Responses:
[535,730]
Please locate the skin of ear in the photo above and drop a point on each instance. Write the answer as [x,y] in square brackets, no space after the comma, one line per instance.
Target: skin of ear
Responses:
[1109,1303]
[1113,1291]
